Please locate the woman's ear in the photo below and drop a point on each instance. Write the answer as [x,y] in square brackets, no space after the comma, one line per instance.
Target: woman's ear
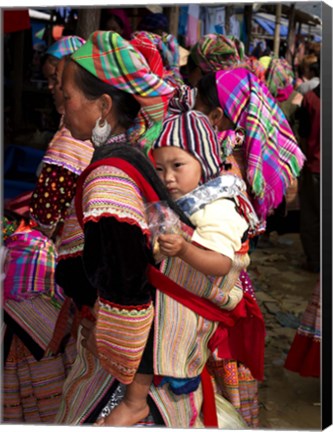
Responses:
[217,117]
[106,105]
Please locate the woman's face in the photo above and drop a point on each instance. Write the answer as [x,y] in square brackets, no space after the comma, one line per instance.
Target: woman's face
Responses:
[81,113]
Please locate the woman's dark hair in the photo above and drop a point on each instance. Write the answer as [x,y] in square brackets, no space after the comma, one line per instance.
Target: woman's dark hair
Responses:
[315,69]
[208,92]
[108,16]
[126,106]
[191,65]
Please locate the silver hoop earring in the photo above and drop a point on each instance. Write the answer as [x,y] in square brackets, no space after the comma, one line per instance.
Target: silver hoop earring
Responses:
[101,133]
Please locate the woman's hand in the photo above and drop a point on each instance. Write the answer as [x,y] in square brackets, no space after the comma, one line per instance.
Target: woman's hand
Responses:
[88,333]
[172,244]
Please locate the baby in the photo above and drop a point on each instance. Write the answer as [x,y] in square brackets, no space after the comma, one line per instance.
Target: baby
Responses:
[187,159]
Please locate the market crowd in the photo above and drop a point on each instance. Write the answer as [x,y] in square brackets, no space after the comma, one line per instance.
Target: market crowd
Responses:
[126,293]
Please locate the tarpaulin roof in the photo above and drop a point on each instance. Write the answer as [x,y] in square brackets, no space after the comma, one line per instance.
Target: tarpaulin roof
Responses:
[269,26]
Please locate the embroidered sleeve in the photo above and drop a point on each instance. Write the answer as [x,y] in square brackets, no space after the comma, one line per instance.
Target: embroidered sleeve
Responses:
[53,194]
[108,191]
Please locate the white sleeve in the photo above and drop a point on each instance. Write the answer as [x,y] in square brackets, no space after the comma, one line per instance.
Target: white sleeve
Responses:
[219,227]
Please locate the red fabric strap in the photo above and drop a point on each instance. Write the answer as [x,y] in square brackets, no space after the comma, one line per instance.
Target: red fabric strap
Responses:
[199,305]
[241,332]
[208,400]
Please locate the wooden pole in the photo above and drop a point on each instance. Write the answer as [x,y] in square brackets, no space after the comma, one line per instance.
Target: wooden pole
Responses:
[228,14]
[277,29]
[290,55]
[248,10]
[18,40]
[174,20]
[88,21]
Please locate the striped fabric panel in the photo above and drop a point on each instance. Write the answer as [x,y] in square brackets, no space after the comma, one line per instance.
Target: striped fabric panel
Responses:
[178,411]
[68,152]
[248,391]
[85,386]
[215,289]
[37,316]
[235,383]
[109,191]
[188,334]
[72,237]
[32,389]
[121,336]
[88,382]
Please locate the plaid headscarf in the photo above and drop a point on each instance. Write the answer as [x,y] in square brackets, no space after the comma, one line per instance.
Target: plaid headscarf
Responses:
[65,46]
[168,48]
[280,78]
[271,151]
[143,43]
[215,51]
[115,61]
[192,131]
[257,68]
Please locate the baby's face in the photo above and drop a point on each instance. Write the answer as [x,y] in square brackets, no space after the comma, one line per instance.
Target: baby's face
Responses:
[178,169]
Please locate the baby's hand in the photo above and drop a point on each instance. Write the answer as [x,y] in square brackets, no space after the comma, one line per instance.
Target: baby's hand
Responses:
[172,244]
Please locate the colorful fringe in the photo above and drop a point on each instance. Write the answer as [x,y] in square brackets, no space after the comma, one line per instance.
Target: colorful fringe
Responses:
[86,384]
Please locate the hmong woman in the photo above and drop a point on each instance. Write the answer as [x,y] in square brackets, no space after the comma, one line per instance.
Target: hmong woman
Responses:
[65,157]
[215,52]
[260,148]
[109,92]
[43,304]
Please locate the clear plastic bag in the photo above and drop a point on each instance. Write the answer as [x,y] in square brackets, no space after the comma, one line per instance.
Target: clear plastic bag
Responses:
[161,220]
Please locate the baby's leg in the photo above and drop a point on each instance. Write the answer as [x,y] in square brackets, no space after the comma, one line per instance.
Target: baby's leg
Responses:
[134,407]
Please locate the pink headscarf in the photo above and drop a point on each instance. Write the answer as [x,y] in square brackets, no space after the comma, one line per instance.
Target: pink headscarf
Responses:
[273,158]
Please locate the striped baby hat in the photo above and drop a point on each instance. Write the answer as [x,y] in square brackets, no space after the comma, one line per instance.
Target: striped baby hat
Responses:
[191,131]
